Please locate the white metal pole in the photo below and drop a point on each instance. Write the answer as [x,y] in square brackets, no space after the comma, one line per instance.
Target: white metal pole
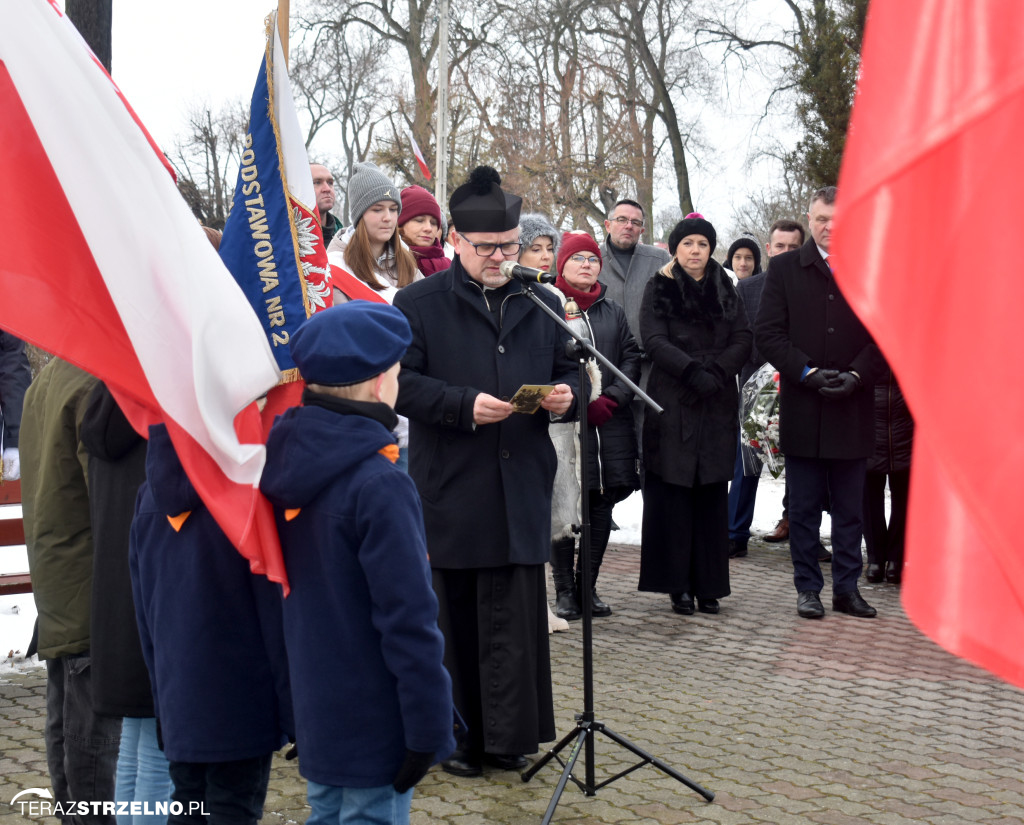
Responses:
[441,164]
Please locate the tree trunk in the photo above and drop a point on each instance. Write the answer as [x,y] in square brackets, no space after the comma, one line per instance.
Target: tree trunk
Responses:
[92,18]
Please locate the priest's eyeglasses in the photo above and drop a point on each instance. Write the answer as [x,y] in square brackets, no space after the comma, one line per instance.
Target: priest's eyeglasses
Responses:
[485,250]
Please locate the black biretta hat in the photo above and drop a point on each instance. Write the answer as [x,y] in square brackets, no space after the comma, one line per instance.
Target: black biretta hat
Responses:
[481,205]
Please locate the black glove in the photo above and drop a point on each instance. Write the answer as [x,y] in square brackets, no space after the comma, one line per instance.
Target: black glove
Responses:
[704,383]
[844,385]
[414,768]
[820,379]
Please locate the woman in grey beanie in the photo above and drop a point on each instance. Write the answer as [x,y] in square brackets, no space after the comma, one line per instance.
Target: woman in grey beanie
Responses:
[370,250]
[539,239]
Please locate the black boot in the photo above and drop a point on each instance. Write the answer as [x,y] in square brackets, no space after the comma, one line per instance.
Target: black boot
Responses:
[562,553]
[597,607]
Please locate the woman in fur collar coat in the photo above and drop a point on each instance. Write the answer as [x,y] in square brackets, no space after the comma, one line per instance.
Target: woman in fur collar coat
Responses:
[695,332]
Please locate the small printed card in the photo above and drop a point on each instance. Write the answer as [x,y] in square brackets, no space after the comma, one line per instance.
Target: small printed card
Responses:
[528,397]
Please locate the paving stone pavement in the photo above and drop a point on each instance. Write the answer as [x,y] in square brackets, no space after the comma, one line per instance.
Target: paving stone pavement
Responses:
[788,721]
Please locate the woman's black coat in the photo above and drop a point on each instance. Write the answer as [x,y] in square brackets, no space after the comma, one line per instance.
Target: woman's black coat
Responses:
[685,325]
[616,438]
[894,427]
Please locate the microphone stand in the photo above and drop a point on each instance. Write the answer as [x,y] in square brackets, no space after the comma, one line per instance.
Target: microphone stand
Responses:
[581,737]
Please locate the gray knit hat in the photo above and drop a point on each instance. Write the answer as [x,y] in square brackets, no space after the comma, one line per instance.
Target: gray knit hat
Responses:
[367,186]
[533,226]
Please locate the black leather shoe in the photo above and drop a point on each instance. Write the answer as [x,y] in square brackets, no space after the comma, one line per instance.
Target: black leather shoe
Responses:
[682,603]
[854,604]
[737,548]
[462,763]
[892,574]
[707,605]
[808,605]
[873,573]
[824,556]
[506,761]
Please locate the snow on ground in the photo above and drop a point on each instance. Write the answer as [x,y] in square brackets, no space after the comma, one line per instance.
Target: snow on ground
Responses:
[17,613]
[767,512]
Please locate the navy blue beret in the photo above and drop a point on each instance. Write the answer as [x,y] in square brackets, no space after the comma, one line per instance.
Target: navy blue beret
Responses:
[350,343]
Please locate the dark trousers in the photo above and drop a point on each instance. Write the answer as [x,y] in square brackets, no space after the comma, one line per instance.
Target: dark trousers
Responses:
[81,746]
[230,793]
[811,482]
[885,541]
[742,494]
[684,545]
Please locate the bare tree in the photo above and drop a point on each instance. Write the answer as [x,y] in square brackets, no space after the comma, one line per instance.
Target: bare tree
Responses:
[408,29]
[814,55]
[786,198]
[206,160]
[339,78]
[652,37]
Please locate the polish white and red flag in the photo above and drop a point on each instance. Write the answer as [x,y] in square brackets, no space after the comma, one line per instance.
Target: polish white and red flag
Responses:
[103,264]
[422,161]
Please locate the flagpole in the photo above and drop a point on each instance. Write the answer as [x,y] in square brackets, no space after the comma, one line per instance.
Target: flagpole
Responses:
[283,7]
[441,164]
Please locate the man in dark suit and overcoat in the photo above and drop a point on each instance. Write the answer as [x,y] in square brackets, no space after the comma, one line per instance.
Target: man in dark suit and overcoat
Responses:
[828,364]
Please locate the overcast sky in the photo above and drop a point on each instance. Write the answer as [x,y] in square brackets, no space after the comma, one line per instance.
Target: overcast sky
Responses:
[168,56]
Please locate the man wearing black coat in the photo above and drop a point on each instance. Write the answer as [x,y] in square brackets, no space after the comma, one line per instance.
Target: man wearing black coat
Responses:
[828,365]
[485,474]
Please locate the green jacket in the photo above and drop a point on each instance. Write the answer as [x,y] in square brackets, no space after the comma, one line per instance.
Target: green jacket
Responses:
[55,506]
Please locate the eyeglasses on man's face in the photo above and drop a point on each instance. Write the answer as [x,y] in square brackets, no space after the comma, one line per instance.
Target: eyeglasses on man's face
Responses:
[583,259]
[485,250]
[622,220]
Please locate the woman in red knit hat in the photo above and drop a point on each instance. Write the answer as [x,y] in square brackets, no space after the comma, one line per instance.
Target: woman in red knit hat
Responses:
[612,459]
[419,226]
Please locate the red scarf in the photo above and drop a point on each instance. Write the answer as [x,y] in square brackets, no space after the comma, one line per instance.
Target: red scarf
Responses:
[584,299]
[430,259]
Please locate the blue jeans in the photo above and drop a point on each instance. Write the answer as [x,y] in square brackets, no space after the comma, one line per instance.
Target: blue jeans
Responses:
[143,774]
[333,805]
[81,746]
[742,495]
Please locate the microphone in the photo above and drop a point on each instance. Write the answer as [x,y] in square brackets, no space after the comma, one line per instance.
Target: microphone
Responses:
[510,269]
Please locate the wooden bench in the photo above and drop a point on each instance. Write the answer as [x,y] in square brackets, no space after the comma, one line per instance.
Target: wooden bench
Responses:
[12,534]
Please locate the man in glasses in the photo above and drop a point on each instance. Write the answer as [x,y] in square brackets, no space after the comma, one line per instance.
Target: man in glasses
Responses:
[628,264]
[485,474]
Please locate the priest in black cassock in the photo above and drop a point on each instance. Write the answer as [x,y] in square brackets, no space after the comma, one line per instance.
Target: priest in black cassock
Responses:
[485,473]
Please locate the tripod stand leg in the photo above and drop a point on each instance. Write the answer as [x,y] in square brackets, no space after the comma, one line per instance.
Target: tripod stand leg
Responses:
[661,766]
[528,774]
[581,735]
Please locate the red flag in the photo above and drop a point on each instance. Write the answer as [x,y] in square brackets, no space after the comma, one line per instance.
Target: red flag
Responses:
[103,264]
[928,192]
